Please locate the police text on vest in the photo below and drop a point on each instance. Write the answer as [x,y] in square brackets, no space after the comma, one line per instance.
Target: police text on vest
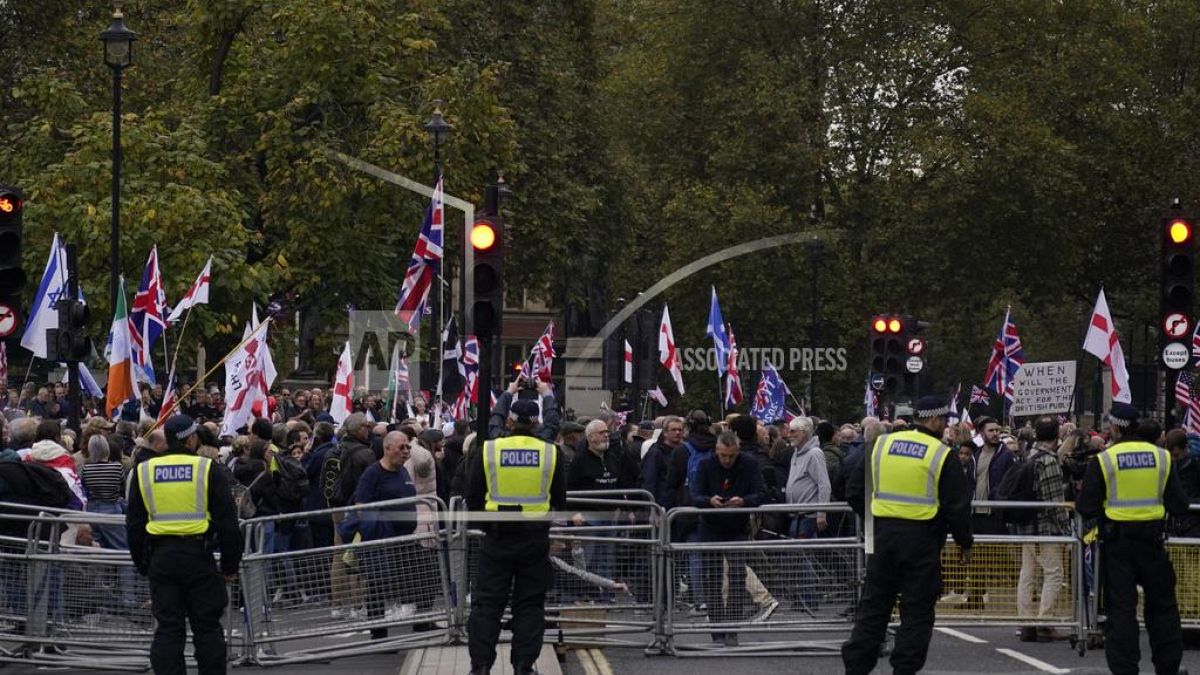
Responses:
[520,458]
[1136,460]
[908,449]
[172,474]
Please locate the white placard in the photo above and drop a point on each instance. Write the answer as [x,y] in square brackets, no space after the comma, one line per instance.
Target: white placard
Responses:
[1042,388]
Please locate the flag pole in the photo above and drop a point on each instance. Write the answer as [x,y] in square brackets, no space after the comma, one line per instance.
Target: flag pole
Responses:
[203,378]
[720,396]
[182,329]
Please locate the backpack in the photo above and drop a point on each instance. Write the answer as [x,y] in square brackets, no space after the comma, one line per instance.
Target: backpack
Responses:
[243,500]
[695,456]
[292,485]
[344,486]
[331,469]
[1019,485]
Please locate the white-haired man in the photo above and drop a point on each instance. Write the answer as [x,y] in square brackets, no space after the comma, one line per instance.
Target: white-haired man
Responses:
[807,483]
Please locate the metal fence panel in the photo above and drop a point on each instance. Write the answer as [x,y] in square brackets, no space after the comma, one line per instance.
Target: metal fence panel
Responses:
[313,603]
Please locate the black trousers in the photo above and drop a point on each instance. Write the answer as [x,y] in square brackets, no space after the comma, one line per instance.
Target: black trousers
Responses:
[907,562]
[1128,561]
[186,587]
[516,562]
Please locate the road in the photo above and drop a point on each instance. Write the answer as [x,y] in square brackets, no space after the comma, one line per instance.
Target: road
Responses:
[967,650]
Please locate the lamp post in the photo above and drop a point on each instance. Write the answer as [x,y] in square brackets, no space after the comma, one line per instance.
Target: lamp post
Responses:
[439,132]
[118,54]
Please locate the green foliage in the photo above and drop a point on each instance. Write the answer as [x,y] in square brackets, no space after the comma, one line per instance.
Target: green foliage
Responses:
[955,157]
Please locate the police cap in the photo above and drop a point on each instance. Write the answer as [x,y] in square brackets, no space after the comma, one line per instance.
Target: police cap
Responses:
[524,411]
[179,427]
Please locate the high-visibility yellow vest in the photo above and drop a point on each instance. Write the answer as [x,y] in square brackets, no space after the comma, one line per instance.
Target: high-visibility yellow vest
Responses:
[905,469]
[518,470]
[175,491]
[1135,475]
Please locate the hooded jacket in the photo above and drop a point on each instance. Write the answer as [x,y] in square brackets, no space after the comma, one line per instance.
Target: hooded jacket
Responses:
[55,456]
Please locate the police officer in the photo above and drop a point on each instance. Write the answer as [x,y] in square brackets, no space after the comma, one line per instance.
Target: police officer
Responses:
[917,493]
[178,504]
[517,480]
[1131,486]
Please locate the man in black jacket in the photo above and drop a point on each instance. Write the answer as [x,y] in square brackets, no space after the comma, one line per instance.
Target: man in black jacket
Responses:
[728,479]
[656,465]
[699,443]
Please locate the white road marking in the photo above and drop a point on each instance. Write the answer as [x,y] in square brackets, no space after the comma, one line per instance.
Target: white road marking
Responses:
[965,637]
[1040,665]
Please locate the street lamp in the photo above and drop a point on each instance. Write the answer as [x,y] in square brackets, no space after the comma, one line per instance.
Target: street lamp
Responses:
[118,54]
[439,132]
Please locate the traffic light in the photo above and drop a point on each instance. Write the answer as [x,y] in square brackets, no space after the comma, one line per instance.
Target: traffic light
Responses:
[12,274]
[487,241]
[1178,276]
[612,365]
[73,341]
[887,349]
[914,352]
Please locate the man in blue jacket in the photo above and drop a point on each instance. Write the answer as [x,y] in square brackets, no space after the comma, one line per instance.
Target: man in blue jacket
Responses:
[726,480]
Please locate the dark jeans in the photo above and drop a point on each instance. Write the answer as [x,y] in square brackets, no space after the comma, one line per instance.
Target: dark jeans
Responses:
[516,562]
[186,587]
[734,606]
[907,562]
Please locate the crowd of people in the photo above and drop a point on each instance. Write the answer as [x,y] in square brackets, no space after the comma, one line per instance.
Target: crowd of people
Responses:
[292,458]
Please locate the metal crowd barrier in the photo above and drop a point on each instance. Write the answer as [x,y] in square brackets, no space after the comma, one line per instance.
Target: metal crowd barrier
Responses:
[626,574]
[776,593]
[69,602]
[987,590]
[355,597]
[604,551]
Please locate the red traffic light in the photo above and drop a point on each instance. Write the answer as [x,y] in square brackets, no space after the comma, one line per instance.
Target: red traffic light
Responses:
[1179,231]
[887,324]
[10,204]
[483,236]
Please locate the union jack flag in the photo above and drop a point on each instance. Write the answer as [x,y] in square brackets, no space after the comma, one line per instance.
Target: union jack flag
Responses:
[1007,357]
[424,265]
[770,399]
[733,385]
[147,317]
[541,359]
[979,396]
[1183,388]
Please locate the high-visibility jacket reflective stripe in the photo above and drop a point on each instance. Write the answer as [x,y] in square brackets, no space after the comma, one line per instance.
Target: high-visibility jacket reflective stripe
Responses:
[518,470]
[1135,477]
[905,469]
[175,491]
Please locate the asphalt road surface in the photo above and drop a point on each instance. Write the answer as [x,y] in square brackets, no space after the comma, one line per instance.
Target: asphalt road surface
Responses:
[966,650]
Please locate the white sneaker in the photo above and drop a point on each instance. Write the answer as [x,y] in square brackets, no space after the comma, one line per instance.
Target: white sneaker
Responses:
[766,612]
[358,613]
[339,613]
[408,610]
[954,598]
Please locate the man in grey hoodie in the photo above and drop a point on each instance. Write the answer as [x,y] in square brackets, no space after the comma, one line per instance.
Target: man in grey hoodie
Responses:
[807,483]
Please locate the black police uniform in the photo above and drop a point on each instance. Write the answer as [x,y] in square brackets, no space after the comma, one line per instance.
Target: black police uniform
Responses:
[907,561]
[185,583]
[514,557]
[1132,555]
